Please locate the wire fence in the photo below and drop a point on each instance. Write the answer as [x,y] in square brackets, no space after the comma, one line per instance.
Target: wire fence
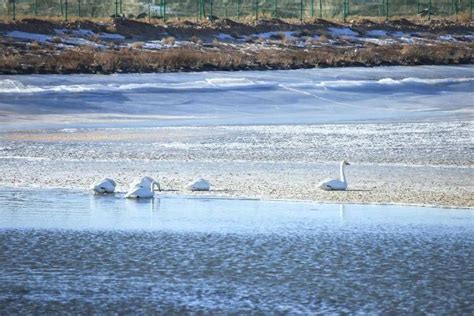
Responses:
[235,9]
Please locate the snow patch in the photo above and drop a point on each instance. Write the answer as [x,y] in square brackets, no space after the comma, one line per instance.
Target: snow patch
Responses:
[29,36]
[77,41]
[223,36]
[447,37]
[269,35]
[469,37]
[153,45]
[378,41]
[400,34]
[342,31]
[110,36]
[376,33]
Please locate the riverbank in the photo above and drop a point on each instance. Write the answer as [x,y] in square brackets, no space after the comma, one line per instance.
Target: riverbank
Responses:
[128,46]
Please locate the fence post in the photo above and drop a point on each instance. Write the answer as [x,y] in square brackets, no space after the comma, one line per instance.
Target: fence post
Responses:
[116,9]
[36,7]
[196,10]
[320,9]
[312,8]
[386,9]
[79,8]
[344,10]
[275,8]
[301,11]
[470,14]
[161,9]
[13,10]
[212,10]
[65,10]
[164,10]
[149,10]
[121,6]
[256,10]
[417,6]
[238,10]
[201,9]
[429,11]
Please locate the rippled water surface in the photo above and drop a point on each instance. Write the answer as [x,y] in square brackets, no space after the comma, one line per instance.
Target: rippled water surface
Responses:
[67,251]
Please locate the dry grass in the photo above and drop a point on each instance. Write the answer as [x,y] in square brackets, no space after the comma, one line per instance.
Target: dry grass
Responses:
[464,17]
[170,40]
[287,40]
[89,60]
[323,38]
[35,45]
[57,40]
[196,40]
[137,45]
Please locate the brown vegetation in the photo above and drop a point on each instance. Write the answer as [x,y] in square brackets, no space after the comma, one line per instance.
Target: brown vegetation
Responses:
[205,51]
[89,60]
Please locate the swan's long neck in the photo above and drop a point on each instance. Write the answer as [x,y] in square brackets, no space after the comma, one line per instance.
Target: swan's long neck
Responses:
[343,176]
[155,184]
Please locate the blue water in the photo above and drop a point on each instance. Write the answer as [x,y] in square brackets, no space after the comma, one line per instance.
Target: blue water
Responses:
[71,252]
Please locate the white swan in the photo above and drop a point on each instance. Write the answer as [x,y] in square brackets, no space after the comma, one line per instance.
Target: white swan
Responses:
[106,185]
[143,188]
[198,185]
[144,181]
[336,184]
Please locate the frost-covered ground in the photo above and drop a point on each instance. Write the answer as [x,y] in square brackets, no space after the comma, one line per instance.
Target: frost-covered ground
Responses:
[408,132]
[322,37]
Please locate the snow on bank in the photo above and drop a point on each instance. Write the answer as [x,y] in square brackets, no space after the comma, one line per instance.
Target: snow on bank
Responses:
[68,38]
[41,38]
[342,31]
[376,33]
[224,36]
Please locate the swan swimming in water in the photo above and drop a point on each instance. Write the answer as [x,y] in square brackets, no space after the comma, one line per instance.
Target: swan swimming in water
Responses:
[198,185]
[104,186]
[143,188]
[336,184]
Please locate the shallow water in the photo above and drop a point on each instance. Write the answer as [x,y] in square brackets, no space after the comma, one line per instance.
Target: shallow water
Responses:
[68,251]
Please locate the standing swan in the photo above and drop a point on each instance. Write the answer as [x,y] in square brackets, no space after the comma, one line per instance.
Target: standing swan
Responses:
[103,186]
[336,184]
[143,188]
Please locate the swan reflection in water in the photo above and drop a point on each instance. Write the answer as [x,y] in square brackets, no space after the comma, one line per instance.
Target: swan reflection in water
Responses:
[103,202]
[342,212]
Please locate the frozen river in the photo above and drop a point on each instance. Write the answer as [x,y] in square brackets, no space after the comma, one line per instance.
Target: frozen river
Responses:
[407,131]
[253,97]
[70,252]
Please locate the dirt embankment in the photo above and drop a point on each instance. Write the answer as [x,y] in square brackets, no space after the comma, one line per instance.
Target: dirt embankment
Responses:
[40,46]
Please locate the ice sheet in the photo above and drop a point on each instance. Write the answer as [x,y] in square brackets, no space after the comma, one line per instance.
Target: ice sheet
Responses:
[253,97]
